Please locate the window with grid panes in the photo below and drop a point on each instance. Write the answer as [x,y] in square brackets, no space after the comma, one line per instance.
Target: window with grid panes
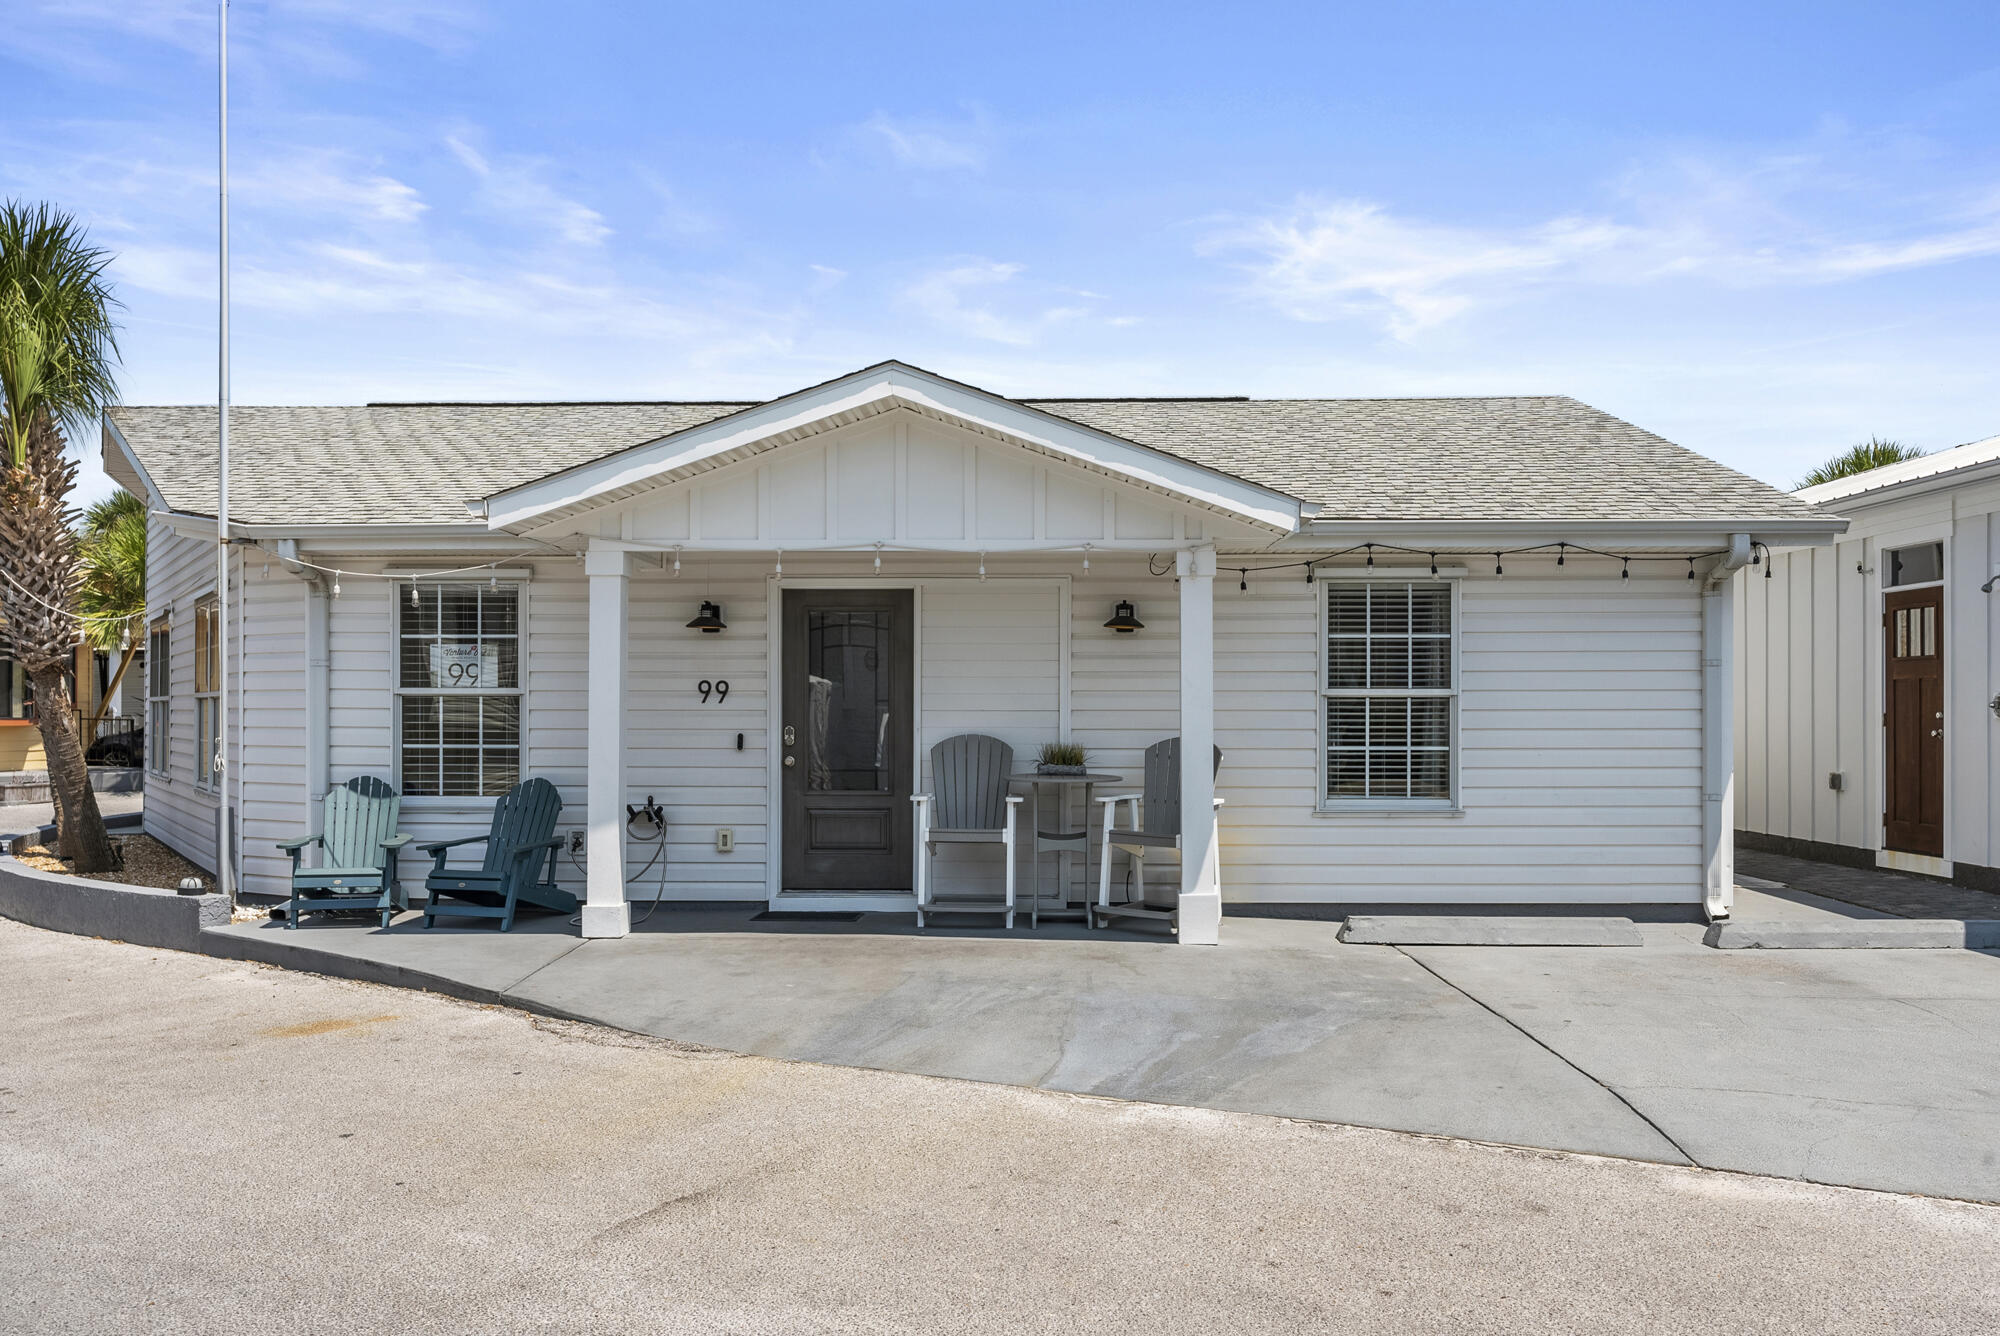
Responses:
[459,689]
[1390,690]
[159,694]
[207,687]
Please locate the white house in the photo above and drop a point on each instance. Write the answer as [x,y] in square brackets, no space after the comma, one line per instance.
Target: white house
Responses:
[1867,678]
[1453,650]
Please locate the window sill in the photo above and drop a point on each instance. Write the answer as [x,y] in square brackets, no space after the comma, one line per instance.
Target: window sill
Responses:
[469,803]
[1388,807]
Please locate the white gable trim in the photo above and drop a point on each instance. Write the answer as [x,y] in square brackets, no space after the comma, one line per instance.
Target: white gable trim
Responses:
[865,394]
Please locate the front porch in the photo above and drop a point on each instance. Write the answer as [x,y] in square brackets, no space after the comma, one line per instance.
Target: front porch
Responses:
[993,653]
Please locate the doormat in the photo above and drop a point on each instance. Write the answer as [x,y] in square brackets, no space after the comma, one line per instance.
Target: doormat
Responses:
[802,916]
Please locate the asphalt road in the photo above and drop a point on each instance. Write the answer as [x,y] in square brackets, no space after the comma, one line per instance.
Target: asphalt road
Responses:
[191,1145]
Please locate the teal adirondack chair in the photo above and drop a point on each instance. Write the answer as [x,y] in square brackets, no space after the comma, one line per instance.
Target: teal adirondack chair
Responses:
[520,865]
[361,843]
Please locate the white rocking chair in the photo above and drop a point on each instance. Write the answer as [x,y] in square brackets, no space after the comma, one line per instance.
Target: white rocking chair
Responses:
[971,805]
[1153,823]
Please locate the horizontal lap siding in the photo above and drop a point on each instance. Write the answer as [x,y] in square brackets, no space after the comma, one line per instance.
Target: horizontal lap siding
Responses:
[1580,722]
[991,663]
[680,749]
[267,714]
[1580,751]
[269,723]
[179,571]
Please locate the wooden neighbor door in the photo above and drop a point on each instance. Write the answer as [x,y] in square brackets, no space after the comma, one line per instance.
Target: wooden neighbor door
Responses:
[1913,721]
[847,739]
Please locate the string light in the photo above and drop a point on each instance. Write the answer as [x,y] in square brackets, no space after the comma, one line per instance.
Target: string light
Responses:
[781,563]
[878,557]
[1690,568]
[336,584]
[1086,558]
[1311,564]
[982,568]
[677,561]
[415,600]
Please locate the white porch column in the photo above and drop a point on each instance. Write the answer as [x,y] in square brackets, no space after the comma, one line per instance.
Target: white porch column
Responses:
[1201,882]
[605,913]
[1718,747]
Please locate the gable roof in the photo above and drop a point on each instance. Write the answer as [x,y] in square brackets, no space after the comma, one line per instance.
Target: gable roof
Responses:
[1501,458]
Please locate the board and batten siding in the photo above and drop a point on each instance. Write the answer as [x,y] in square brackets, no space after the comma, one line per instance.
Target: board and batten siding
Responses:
[1809,676]
[267,679]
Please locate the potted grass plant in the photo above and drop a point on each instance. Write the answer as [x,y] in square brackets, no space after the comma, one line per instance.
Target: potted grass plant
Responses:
[1061,758]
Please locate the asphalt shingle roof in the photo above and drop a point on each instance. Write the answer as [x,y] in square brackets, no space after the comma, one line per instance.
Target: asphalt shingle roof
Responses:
[1525,458]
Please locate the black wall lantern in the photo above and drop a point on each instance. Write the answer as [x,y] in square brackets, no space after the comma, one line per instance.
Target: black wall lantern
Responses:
[709,620]
[1125,620]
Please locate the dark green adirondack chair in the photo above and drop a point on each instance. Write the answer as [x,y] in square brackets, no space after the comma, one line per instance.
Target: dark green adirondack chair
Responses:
[361,843]
[520,864]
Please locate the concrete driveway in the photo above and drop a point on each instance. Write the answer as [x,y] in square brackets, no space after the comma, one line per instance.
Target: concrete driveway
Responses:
[1867,1068]
[190,1145]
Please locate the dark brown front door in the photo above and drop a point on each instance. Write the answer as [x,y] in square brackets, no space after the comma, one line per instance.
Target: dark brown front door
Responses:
[847,739]
[1913,721]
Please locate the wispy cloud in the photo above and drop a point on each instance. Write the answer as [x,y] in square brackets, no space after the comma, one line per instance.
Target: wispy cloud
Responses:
[47,32]
[949,297]
[930,145]
[514,188]
[942,295]
[1323,260]
[329,188]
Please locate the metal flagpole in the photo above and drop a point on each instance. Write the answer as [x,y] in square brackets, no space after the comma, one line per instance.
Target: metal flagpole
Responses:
[224,832]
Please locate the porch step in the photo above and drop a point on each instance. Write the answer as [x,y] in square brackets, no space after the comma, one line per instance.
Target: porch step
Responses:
[1479,930]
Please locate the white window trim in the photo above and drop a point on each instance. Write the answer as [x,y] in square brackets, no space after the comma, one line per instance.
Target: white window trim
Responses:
[159,744]
[1330,806]
[522,582]
[214,693]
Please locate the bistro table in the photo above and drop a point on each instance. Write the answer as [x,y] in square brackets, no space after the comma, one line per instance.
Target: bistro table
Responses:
[1060,839]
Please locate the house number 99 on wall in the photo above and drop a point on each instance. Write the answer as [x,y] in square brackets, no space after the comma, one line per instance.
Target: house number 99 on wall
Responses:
[719,689]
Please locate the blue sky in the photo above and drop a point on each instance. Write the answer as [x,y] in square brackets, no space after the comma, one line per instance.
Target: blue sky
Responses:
[1762,230]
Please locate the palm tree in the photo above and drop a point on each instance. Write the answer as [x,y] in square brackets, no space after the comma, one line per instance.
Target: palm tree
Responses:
[57,350]
[112,597]
[1872,453]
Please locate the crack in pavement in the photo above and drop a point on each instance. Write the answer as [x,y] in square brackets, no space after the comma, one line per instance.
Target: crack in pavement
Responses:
[1552,1052]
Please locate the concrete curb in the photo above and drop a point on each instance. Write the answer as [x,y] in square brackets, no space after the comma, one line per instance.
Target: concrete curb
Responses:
[140,915]
[1856,934]
[1427,930]
[121,823]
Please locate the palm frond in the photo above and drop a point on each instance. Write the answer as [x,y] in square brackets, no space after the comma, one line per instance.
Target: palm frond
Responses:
[1873,453]
[58,342]
[111,565]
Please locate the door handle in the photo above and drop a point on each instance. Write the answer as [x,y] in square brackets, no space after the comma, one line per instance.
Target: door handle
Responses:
[791,761]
